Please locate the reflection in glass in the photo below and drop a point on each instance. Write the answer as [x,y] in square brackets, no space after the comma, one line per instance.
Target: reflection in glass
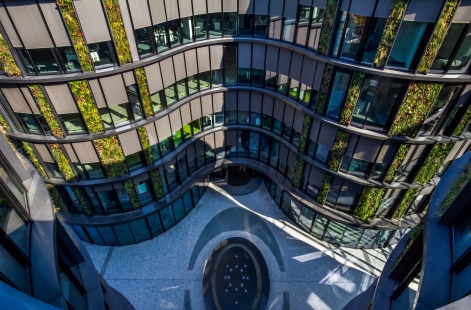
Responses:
[406,44]
[204,80]
[201,23]
[449,44]
[289,25]
[214,25]
[134,102]
[44,60]
[170,95]
[73,123]
[69,58]
[71,293]
[352,36]
[160,34]
[107,201]
[260,26]
[217,77]
[337,95]
[139,230]
[322,153]
[27,63]
[174,32]
[123,233]
[192,84]
[373,40]
[274,30]
[245,25]
[143,42]
[12,224]
[134,161]
[187,30]
[123,198]
[119,114]
[338,34]
[230,24]
[143,192]
[178,210]
[101,54]
[463,56]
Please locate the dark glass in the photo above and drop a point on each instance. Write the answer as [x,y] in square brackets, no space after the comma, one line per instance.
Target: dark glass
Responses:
[124,235]
[207,122]
[29,123]
[358,167]
[243,118]
[463,56]
[27,63]
[274,149]
[182,170]
[44,61]
[277,126]
[254,145]
[123,198]
[245,25]
[293,89]
[260,26]
[71,293]
[144,192]
[134,161]
[449,44]
[93,199]
[69,59]
[12,224]
[187,29]
[73,123]
[244,76]
[160,34]
[108,201]
[143,42]
[267,122]
[134,101]
[255,119]
[287,132]
[461,284]
[217,77]
[170,95]
[289,26]
[231,117]
[296,138]
[167,217]
[154,224]
[264,148]
[352,36]
[258,76]
[230,24]
[270,80]
[179,210]
[319,226]
[337,95]
[139,230]
[107,235]
[282,84]
[214,25]
[174,32]
[196,126]
[101,54]
[156,99]
[204,80]
[243,143]
[322,153]
[406,44]
[373,40]
[338,33]
[94,171]
[171,177]
[192,84]
[164,182]
[73,198]
[201,27]
[94,235]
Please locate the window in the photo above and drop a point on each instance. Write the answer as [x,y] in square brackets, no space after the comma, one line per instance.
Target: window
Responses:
[322,154]
[352,36]
[182,170]
[373,39]
[108,201]
[244,76]
[174,32]
[69,59]
[337,95]
[267,122]
[449,45]
[204,80]
[243,118]
[358,167]
[217,77]
[134,161]
[192,84]
[260,26]
[170,95]
[214,25]
[201,27]
[338,35]
[171,177]
[258,76]
[94,171]
[123,198]
[165,146]
[101,54]
[73,123]
[142,37]
[463,56]
[119,114]
[245,25]
[160,34]
[177,138]
[134,101]
[144,193]
[44,60]
[288,29]
[274,30]
[167,217]
[403,54]
[230,24]
[13,225]
[187,29]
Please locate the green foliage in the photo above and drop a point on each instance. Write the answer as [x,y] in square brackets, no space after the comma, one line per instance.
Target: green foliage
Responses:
[62,162]
[145,145]
[81,201]
[327,26]
[463,123]
[111,156]
[433,162]
[131,189]
[369,202]
[390,31]
[438,35]
[85,102]
[33,159]
[418,101]
[46,111]
[4,124]
[336,154]
[324,189]
[144,90]
[324,88]
[157,182]
[352,97]
[304,133]
[117,29]
[406,201]
[456,188]
[7,62]
[401,154]
[80,46]
[298,172]
[56,200]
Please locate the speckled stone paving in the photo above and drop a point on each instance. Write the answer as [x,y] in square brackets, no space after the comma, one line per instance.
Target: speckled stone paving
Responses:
[155,274]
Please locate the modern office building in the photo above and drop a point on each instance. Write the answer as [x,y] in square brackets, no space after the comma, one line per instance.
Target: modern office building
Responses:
[351,109]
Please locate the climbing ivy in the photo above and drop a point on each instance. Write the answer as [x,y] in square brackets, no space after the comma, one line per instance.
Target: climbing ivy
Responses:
[46,110]
[83,96]
[324,88]
[352,97]
[324,189]
[304,133]
[370,201]
[298,172]
[7,62]
[81,200]
[336,154]
[56,200]
[463,123]
[62,162]
[111,156]
[433,162]
[144,90]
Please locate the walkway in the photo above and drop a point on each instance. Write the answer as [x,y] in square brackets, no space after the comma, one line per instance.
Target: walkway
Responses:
[167,272]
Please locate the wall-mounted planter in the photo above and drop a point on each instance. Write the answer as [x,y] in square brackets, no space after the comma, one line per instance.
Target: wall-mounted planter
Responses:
[144,91]
[304,133]
[406,201]
[369,202]
[324,88]
[157,183]
[73,27]
[298,172]
[145,145]
[112,156]
[327,26]
[352,97]
[46,111]
[433,162]
[4,124]
[336,154]
[7,62]
[324,189]
[113,12]
[401,154]
[33,159]
[418,101]
[131,190]
[85,102]
[463,123]
[439,34]
[56,200]
[81,200]
[390,31]
[62,162]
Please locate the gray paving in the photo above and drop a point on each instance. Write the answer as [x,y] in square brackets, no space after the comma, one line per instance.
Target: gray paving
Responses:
[155,275]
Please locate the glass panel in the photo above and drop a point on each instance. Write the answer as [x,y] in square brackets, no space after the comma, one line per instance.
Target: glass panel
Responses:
[352,36]
[167,217]
[367,239]
[449,44]
[179,210]
[218,119]
[165,147]
[28,122]
[154,224]
[27,63]
[338,35]
[108,236]
[94,201]
[358,167]
[351,237]
[207,122]
[462,235]
[192,84]
[277,125]
[288,29]
[274,149]
[461,284]
[174,32]
[214,25]
[294,211]
[170,95]
[107,201]
[267,122]
[71,292]
[94,171]
[80,233]
[231,117]
[196,126]
[106,117]
[69,58]
[243,118]
[56,173]
[254,145]
[123,198]
[187,31]
[305,218]
[182,171]
[143,192]
[245,25]
[187,202]
[242,143]
[334,232]
[134,102]
[134,161]
[196,194]
[287,132]
[201,27]
[119,114]
[139,230]
[44,61]
[204,80]
[73,123]
[73,198]
[124,235]
[12,224]
[101,54]
[160,34]
[171,177]
[13,187]
[143,42]
[264,147]
[337,95]
[260,26]
[373,40]
[230,63]
[463,56]
[406,44]
[93,233]
[319,227]
[244,76]
[177,138]
[322,153]
[217,77]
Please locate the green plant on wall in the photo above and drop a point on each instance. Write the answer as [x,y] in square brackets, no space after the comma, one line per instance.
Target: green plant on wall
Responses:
[336,154]
[85,102]
[439,34]
[131,190]
[4,125]
[157,183]
[390,31]
[46,111]
[352,97]
[144,90]
[369,202]
[401,154]
[117,29]
[324,189]
[405,202]
[298,172]
[33,159]
[81,200]
[416,105]
[111,156]
[463,123]
[56,200]
[7,62]
[73,27]
[433,162]
[62,162]
[327,26]
[324,88]
[145,145]
[304,133]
